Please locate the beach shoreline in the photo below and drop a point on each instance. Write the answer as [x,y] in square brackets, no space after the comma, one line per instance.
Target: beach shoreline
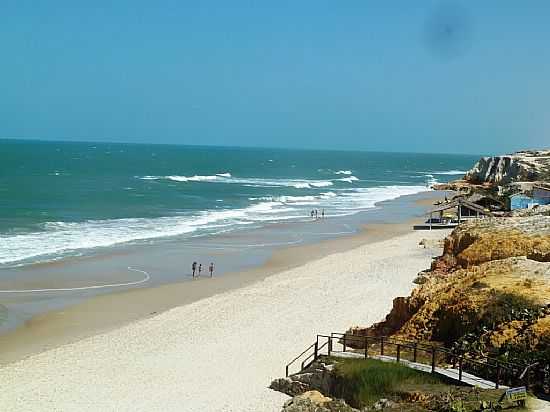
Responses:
[103,313]
[244,335]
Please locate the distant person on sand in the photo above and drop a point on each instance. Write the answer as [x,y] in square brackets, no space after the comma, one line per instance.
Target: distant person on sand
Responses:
[323,214]
[200,268]
[194,268]
[316,214]
[211,269]
[312,213]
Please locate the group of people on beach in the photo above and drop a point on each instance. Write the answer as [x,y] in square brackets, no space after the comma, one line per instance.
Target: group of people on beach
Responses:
[198,269]
[315,214]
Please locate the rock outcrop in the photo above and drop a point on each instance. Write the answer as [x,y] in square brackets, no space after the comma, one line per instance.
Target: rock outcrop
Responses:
[307,389]
[314,401]
[526,166]
[488,294]
[499,176]
[317,376]
[476,242]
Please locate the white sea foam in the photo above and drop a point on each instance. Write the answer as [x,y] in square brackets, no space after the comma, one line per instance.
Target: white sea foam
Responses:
[66,238]
[444,172]
[251,182]
[349,179]
[63,237]
[343,172]
[430,179]
[321,184]
[192,178]
[450,172]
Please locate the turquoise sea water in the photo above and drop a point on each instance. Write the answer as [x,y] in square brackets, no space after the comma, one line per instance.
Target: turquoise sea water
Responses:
[62,199]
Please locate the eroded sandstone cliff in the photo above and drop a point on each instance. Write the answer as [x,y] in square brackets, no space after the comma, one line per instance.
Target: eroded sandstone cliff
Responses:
[488,294]
[527,166]
[503,175]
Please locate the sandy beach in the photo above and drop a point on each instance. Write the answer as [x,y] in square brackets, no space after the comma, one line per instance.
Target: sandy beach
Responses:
[220,353]
[49,320]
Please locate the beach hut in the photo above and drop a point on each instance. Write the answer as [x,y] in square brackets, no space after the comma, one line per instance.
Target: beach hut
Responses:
[452,213]
[492,203]
[539,196]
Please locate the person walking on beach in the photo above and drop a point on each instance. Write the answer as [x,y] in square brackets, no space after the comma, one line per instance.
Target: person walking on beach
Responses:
[316,214]
[194,268]
[200,268]
[312,213]
[211,269]
[323,214]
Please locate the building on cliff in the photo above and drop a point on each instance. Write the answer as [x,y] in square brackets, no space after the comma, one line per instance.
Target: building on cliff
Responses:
[452,213]
[539,196]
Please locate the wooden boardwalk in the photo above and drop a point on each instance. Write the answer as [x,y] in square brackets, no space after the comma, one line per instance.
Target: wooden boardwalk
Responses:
[451,373]
[426,358]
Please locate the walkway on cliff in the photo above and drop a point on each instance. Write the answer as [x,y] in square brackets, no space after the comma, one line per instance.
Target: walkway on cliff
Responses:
[486,373]
[451,373]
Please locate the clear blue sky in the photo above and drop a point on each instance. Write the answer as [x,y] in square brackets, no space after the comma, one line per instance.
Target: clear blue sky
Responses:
[468,77]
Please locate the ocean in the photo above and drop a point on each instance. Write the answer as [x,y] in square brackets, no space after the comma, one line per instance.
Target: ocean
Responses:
[63,199]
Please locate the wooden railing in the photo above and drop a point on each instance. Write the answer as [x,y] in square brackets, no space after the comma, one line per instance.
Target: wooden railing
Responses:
[487,368]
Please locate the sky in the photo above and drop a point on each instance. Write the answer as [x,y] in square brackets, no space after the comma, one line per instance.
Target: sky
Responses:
[423,76]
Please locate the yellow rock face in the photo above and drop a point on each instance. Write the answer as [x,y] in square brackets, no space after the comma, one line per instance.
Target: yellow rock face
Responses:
[315,397]
[492,279]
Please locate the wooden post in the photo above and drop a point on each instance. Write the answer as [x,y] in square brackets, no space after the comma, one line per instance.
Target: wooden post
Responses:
[460,369]
[497,380]
[431,214]
[316,351]
[398,352]
[414,351]
[381,346]
[344,344]
[366,347]
[329,345]
[433,359]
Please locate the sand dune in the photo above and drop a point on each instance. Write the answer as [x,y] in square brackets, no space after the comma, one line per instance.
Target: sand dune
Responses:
[220,353]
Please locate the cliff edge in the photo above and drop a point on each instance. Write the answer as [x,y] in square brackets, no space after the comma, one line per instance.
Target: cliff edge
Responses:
[488,294]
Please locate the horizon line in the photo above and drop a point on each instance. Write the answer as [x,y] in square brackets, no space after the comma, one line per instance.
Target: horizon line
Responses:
[61,140]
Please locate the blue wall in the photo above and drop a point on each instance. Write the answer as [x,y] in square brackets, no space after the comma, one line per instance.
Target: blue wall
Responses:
[523,201]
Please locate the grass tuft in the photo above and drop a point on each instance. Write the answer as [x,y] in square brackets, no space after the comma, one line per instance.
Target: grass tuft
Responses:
[362,382]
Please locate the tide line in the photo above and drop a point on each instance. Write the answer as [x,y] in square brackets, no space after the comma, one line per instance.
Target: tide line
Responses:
[112,285]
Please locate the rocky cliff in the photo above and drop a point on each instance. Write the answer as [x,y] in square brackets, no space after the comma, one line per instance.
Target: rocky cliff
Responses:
[487,294]
[528,166]
[503,175]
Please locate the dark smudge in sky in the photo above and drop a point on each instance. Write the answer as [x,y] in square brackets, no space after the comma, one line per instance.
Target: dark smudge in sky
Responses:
[448,31]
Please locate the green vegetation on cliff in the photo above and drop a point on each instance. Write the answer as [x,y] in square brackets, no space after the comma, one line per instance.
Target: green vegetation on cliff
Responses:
[362,382]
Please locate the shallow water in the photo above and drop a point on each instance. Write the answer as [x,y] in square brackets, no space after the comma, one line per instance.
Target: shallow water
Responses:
[60,200]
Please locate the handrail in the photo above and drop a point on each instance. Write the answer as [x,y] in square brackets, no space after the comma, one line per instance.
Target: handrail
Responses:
[407,343]
[314,354]
[298,357]
[494,367]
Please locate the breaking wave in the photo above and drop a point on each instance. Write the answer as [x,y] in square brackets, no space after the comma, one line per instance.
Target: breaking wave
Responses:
[254,182]
[71,238]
